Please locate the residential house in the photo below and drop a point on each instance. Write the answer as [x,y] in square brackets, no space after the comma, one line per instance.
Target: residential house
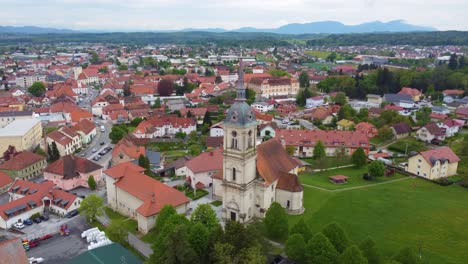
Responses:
[197,113]
[367,129]
[164,127]
[462,113]
[374,99]
[266,132]
[304,141]
[434,164]
[66,139]
[176,167]
[24,134]
[450,126]
[24,165]
[5,182]
[274,86]
[86,129]
[402,100]
[431,133]
[217,130]
[345,124]
[440,110]
[125,150]
[70,172]
[201,169]
[136,195]
[413,92]
[28,198]
[315,101]
[263,106]
[401,130]
[451,95]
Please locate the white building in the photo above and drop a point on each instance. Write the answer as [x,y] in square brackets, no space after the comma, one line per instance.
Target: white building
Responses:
[217,130]
[315,101]
[263,106]
[26,81]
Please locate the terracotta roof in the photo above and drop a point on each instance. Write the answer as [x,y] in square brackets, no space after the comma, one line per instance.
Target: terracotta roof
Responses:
[434,129]
[409,91]
[69,166]
[84,126]
[128,148]
[353,139]
[289,182]
[201,111]
[443,153]
[271,167]
[59,138]
[462,111]
[214,142]
[438,116]
[80,114]
[339,177]
[4,179]
[206,161]
[22,161]
[154,194]
[453,92]
[12,251]
[120,170]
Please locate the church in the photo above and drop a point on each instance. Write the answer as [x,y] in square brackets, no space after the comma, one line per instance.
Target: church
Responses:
[253,176]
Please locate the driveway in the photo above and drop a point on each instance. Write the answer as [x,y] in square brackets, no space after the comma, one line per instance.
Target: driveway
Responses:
[50,226]
[59,249]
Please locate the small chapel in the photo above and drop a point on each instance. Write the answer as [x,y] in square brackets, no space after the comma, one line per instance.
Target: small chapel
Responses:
[254,176]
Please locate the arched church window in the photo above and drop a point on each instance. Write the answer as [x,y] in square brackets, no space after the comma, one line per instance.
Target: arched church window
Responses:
[233,174]
[250,139]
[234,140]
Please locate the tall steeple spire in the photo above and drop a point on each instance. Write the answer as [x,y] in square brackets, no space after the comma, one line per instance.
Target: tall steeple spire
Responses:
[240,82]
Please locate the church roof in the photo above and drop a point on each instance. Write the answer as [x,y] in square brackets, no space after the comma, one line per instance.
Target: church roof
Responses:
[240,114]
[272,167]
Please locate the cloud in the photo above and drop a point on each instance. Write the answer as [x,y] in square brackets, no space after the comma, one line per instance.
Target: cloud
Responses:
[230,14]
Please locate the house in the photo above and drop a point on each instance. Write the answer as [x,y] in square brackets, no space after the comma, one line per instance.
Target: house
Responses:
[176,167]
[70,172]
[125,150]
[450,126]
[263,106]
[136,195]
[345,124]
[197,113]
[452,94]
[434,164]
[201,169]
[5,182]
[374,99]
[28,198]
[367,129]
[154,159]
[402,100]
[66,139]
[315,101]
[431,133]
[462,112]
[24,165]
[164,127]
[440,110]
[401,130]
[24,134]
[304,141]
[274,86]
[266,132]
[12,251]
[217,130]
[86,129]
[413,92]
[324,114]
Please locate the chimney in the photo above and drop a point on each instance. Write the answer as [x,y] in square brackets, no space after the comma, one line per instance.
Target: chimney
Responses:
[153,199]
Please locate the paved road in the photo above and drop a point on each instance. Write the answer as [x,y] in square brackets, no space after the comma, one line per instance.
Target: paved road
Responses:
[307,124]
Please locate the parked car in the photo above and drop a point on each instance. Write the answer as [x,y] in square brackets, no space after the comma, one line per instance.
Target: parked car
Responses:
[96,158]
[44,217]
[108,148]
[28,222]
[102,143]
[94,150]
[71,214]
[33,243]
[18,225]
[37,220]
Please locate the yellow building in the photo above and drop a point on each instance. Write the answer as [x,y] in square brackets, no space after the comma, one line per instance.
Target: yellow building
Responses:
[274,86]
[26,165]
[345,124]
[434,164]
[24,134]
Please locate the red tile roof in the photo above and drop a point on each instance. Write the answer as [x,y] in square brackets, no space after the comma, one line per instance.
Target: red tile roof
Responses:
[59,138]
[12,251]
[5,179]
[80,114]
[84,126]
[206,161]
[272,167]
[21,161]
[154,194]
[443,153]
[126,147]
[409,91]
[69,166]
[352,139]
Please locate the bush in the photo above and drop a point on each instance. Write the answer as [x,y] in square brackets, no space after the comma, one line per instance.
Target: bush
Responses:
[36,215]
[367,177]
[444,182]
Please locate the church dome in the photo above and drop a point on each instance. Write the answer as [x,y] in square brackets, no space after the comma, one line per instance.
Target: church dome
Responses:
[240,114]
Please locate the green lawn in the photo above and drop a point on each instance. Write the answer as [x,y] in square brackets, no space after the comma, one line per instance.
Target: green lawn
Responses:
[130,224]
[330,162]
[318,53]
[411,212]
[321,179]
[412,143]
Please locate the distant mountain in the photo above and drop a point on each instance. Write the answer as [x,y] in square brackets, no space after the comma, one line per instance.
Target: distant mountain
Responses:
[34,30]
[326,27]
[334,27]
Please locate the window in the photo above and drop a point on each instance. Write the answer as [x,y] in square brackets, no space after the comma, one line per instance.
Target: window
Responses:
[250,139]
[234,140]
[233,174]
[288,204]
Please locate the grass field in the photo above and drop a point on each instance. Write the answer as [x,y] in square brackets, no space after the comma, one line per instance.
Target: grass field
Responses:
[412,143]
[321,179]
[330,162]
[130,224]
[318,53]
[410,212]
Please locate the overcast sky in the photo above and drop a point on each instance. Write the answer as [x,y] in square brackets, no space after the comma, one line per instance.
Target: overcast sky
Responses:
[228,14]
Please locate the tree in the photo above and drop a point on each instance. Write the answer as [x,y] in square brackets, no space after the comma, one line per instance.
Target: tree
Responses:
[117,232]
[359,158]
[180,134]
[126,89]
[453,62]
[346,112]
[385,133]
[55,152]
[276,222]
[406,256]
[174,248]
[369,250]
[117,133]
[331,57]
[319,151]
[205,215]
[376,168]
[223,253]
[295,248]
[198,237]
[251,255]
[320,250]
[91,206]
[40,151]
[136,121]
[340,98]
[144,162]
[290,150]
[164,215]
[165,87]
[9,153]
[423,116]
[304,80]
[94,58]
[157,103]
[337,236]
[302,228]
[352,255]
[207,119]
[91,182]
[37,89]
[194,150]
[218,79]
[300,98]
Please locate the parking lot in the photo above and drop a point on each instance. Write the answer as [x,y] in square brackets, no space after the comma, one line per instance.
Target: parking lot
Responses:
[59,249]
[45,227]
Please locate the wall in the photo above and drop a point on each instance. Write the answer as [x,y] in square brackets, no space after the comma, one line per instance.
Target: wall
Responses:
[294,198]
[21,217]
[29,172]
